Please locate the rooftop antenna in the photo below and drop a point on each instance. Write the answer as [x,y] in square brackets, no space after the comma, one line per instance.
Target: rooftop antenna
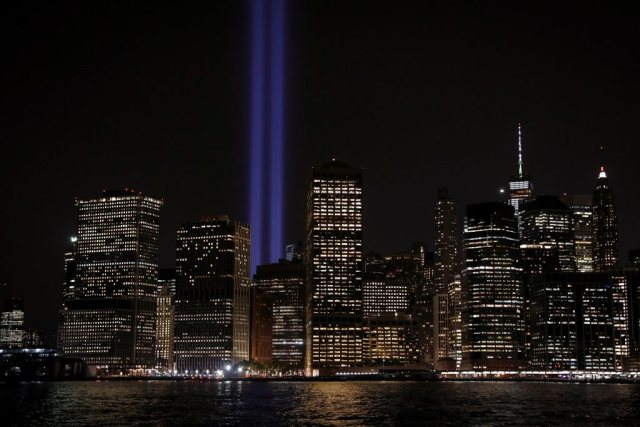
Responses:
[520,167]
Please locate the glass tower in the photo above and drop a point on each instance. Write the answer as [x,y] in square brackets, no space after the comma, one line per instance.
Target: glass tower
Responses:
[492,292]
[212,295]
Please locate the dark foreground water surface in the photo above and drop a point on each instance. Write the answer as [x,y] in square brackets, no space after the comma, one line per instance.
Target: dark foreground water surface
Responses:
[319,403]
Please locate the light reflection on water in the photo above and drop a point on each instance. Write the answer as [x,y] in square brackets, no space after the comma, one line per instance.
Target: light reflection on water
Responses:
[319,403]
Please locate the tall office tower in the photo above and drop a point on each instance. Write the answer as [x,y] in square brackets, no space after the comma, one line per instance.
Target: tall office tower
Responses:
[294,252]
[334,268]
[12,323]
[520,185]
[604,225]
[109,321]
[212,294]
[581,207]
[584,321]
[446,261]
[165,318]
[455,320]
[284,283]
[492,296]
[547,223]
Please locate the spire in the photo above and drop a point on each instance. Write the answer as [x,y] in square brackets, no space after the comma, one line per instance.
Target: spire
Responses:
[602,173]
[520,166]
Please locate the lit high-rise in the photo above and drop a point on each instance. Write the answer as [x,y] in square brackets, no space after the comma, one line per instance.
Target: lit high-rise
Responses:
[109,318]
[212,294]
[604,225]
[492,294]
[520,185]
[334,268]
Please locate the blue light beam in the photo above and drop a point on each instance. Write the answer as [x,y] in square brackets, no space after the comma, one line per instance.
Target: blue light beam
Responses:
[277,54]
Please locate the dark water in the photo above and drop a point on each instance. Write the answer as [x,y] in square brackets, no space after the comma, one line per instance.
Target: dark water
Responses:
[319,403]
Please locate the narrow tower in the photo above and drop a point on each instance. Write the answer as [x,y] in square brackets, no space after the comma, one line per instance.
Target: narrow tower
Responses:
[604,225]
[520,185]
[446,242]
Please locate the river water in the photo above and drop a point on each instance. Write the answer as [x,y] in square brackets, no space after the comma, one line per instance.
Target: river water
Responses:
[319,403]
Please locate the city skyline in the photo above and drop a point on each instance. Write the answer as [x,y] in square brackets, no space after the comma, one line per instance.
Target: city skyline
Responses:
[416,136]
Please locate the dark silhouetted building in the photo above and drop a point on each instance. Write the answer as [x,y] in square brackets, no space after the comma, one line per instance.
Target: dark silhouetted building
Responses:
[12,323]
[284,283]
[634,258]
[334,264]
[262,326]
[108,316]
[492,294]
[212,294]
[604,225]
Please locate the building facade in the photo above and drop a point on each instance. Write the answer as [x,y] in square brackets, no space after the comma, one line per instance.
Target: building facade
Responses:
[12,331]
[212,294]
[165,318]
[581,207]
[334,268]
[108,316]
[546,224]
[492,291]
[584,321]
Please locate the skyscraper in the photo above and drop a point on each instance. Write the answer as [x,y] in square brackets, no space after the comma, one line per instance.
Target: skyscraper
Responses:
[109,319]
[165,320]
[547,224]
[581,207]
[212,294]
[604,225]
[284,283]
[12,323]
[492,295]
[334,268]
[520,185]
[446,242]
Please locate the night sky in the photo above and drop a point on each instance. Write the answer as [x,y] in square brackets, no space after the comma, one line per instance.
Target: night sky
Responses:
[421,96]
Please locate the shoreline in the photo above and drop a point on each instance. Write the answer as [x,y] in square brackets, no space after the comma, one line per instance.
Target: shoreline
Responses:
[351,378]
